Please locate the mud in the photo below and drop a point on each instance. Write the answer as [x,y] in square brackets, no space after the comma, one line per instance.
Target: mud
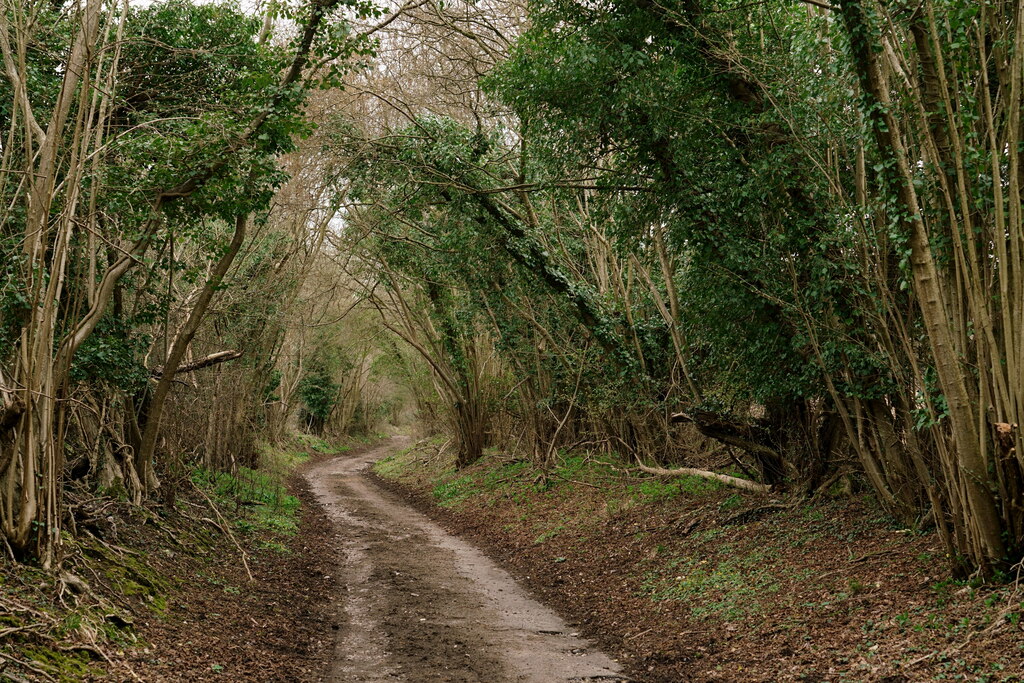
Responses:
[419,604]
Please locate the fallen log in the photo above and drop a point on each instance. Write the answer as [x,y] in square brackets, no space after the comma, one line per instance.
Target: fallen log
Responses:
[750,438]
[735,482]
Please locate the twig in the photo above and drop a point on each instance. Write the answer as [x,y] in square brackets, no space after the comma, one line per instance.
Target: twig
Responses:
[10,551]
[17,629]
[637,635]
[576,481]
[85,647]
[823,488]
[884,551]
[227,530]
[27,666]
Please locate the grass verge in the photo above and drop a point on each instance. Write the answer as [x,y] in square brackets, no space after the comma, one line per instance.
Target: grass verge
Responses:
[686,580]
[125,565]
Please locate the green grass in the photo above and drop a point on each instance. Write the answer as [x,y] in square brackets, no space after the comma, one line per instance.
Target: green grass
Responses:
[450,487]
[728,587]
[584,467]
[549,534]
[505,476]
[656,490]
[451,493]
[64,666]
[259,497]
[319,445]
[394,465]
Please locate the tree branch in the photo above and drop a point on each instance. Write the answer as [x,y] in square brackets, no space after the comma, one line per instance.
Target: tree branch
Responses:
[205,362]
[735,482]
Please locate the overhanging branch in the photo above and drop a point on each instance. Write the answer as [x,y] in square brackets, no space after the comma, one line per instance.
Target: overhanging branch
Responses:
[204,362]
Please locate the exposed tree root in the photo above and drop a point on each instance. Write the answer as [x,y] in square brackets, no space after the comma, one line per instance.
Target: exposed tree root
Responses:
[26,665]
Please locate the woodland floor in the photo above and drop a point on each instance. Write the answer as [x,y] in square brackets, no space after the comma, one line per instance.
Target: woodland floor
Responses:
[169,598]
[686,581]
[223,627]
[676,580]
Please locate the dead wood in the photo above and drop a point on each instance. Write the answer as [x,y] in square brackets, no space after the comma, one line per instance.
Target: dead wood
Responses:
[226,528]
[26,665]
[750,438]
[735,482]
[204,362]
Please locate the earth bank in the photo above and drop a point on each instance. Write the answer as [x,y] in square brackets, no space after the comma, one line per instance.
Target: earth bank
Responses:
[683,580]
[679,580]
[236,584]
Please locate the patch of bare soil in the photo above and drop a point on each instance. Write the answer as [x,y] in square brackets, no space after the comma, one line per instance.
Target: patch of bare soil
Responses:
[710,585]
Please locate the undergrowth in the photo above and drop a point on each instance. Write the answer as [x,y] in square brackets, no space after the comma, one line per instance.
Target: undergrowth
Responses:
[686,547]
[124,562]
[729,585]
[258,499]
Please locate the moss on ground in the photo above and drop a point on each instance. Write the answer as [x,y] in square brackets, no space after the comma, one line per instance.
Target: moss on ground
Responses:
[132,561]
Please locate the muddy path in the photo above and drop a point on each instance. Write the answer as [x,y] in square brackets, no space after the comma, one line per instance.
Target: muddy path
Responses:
[419,604]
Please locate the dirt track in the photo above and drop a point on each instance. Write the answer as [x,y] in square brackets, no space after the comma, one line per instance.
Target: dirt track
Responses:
[419,604]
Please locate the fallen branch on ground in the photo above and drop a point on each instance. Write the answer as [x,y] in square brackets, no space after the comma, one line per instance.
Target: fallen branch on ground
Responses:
[26,665]
[736,482]
[226,528]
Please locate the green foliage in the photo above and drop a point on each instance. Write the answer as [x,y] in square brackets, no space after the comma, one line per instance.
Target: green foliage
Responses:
[319,393]
[771,298]
[319,445]
[546,536]
[664,489]
[450,493]
[14,306]
[505,476]
[268,505]
[192,77]
[272,385]
[726,588]
[113,355]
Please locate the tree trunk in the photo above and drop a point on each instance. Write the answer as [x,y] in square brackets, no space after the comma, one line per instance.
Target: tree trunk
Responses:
[144,456]
[970,451]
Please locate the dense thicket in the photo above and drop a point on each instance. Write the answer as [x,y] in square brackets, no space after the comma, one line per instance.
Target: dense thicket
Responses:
[794,228]
[140,156]
[781,240]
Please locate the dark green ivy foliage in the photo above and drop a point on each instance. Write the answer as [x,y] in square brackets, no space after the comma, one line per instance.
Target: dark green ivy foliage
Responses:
[480,262]
[730,129]
[319,393]
[659,97]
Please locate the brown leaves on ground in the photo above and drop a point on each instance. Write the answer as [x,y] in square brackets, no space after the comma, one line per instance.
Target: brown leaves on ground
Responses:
[219,626]
[685,587]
